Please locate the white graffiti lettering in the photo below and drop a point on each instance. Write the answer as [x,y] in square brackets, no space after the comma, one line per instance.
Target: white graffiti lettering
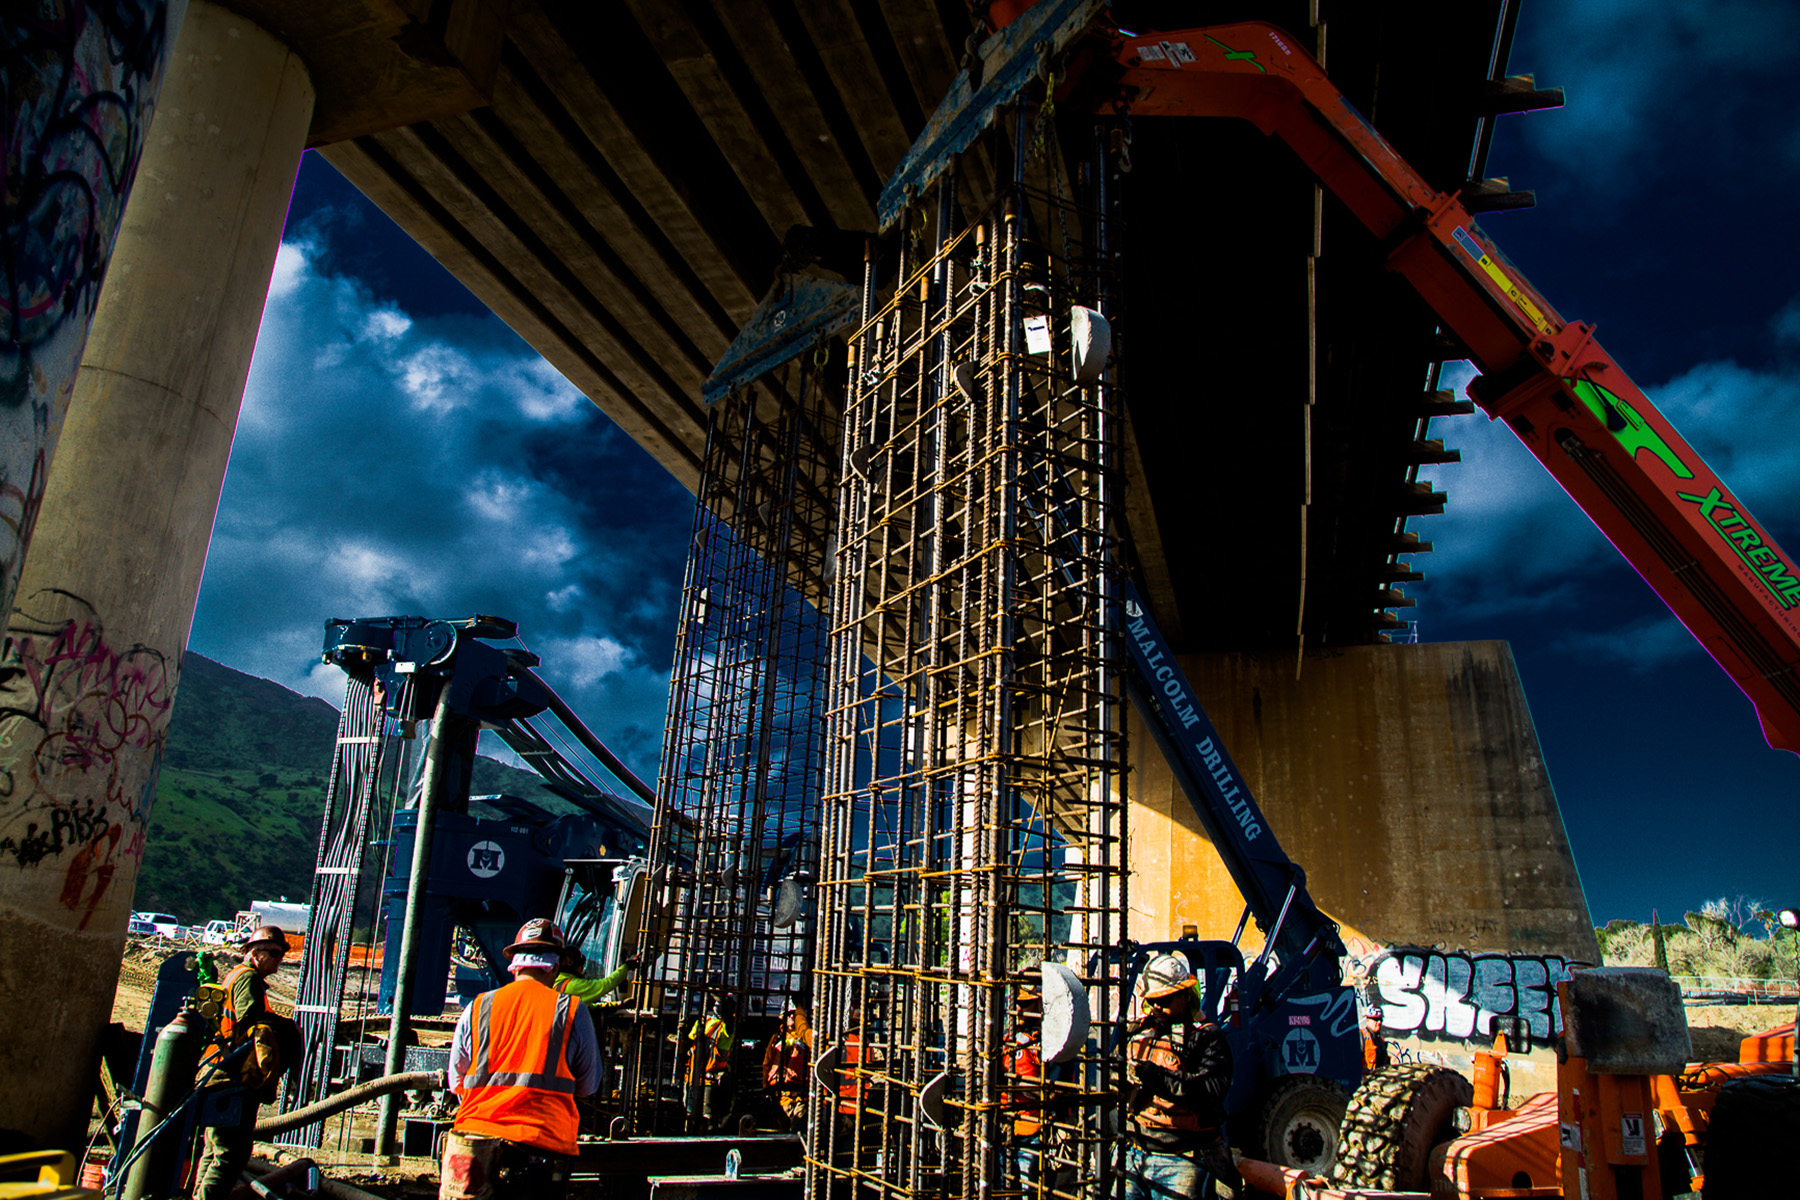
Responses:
[1460,996]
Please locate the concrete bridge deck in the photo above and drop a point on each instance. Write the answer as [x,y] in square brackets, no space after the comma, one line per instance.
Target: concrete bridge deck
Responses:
[624,196]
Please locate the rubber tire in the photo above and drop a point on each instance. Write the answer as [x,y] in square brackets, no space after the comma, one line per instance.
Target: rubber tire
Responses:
[1297,1108]
[1751,1138]
[1394,1119]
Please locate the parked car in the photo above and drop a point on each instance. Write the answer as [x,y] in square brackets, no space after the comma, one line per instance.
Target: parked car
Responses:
[217,933]
[161,924]
[138,926]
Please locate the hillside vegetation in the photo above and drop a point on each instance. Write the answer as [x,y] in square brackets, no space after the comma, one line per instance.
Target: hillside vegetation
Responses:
[242,792]
[1731,937]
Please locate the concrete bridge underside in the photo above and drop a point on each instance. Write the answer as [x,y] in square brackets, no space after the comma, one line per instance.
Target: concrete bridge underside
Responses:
[639,173]
[620,184]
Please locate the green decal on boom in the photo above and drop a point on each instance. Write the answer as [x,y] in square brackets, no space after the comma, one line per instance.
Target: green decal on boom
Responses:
[1772,571]
[1629,429]
[1231,55]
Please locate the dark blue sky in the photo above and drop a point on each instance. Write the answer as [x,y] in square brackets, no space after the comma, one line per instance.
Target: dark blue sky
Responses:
[401,451]
[1664,198]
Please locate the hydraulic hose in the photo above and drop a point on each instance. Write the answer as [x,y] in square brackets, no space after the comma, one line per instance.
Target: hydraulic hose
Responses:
[425,1081]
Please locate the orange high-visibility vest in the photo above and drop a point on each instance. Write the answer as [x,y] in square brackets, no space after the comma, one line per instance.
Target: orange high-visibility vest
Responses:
[850,1088]
[1027,1065]
[1160,1047]
[233,1024]
[715,1036]
[230,1021]
[518,1085]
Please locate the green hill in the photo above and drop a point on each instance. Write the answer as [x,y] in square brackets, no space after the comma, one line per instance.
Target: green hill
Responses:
[242,792]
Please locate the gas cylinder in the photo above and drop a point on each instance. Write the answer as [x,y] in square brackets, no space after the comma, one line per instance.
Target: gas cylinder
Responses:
[172,1067]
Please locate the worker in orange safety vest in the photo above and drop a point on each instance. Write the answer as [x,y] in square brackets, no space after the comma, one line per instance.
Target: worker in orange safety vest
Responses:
[245,1016]
[852,1088]
[1375,1047]
[1025,1062]
[1178,1072]
[785,1061]
[519,1057]
[709,1086]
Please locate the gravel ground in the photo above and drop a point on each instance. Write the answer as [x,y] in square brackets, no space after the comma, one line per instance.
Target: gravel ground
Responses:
[137,982]
[1718,1028]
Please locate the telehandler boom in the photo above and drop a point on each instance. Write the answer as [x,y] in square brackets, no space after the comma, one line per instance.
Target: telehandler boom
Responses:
[1619,458]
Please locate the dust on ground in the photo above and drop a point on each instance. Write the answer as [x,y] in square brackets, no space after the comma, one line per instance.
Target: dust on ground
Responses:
[342,1156]
[1718,1028]
[143,959]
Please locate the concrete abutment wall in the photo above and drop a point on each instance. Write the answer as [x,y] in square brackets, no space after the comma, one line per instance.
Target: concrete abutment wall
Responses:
[1406,780]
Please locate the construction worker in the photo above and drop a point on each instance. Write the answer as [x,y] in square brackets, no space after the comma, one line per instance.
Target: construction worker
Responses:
[852,1089]
[1375,1047]
[785,1062]
[1026,1063]
[1179,1070]
[519,1057]
[245,1017]
[572,981]
[708,1097]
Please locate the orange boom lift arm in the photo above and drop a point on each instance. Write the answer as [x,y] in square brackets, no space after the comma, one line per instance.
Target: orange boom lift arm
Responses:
[1618,457]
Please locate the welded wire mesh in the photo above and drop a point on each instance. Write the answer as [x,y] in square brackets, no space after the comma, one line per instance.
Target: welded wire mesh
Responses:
[350,797]
[974,812]
[734,841]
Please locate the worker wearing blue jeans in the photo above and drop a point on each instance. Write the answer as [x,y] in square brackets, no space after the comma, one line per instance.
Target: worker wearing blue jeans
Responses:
[1179,1072]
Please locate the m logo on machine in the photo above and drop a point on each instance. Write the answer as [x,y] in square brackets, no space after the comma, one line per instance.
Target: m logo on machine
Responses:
[486,859]
[1300,1052]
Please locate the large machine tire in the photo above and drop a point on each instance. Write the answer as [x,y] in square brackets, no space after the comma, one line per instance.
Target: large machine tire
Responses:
[1394,1119]
[1297,1124]
[1751,1138]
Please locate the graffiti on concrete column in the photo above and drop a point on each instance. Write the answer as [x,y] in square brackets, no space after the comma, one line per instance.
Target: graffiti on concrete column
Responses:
[77,84]
[82,726]
[1459,996]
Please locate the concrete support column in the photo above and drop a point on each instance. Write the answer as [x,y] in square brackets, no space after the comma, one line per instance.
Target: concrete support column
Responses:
[103,608]
[78,84]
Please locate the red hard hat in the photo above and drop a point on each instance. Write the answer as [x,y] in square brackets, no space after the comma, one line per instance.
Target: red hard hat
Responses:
[539,933]
[267,935]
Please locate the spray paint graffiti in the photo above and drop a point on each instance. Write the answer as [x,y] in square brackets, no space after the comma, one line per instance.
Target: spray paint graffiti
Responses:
[82,727]
[78,80]
[1455,996]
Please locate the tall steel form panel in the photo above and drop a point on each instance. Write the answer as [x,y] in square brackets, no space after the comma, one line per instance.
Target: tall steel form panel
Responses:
[975,797]
[734,842]
[351,799]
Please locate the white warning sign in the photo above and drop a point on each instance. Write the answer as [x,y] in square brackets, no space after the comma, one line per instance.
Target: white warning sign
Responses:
[1631,1133]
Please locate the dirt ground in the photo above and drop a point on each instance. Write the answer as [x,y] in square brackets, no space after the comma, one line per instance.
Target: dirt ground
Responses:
[1718,1028]
[1716,1032]
[402,1178]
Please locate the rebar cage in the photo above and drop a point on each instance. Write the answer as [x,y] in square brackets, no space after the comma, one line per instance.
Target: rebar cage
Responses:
[734,842]
[975,801]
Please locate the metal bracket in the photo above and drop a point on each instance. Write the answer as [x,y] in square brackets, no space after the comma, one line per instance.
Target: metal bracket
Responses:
[798,311]
[1009,61]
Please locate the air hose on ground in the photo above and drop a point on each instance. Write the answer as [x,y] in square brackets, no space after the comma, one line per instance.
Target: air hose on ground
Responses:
[406,1081]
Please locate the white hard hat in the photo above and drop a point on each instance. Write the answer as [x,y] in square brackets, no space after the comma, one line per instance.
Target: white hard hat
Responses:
[1164,975]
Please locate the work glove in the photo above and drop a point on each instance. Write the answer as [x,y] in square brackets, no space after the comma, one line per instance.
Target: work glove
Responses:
[635,962]
[1151,1076]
